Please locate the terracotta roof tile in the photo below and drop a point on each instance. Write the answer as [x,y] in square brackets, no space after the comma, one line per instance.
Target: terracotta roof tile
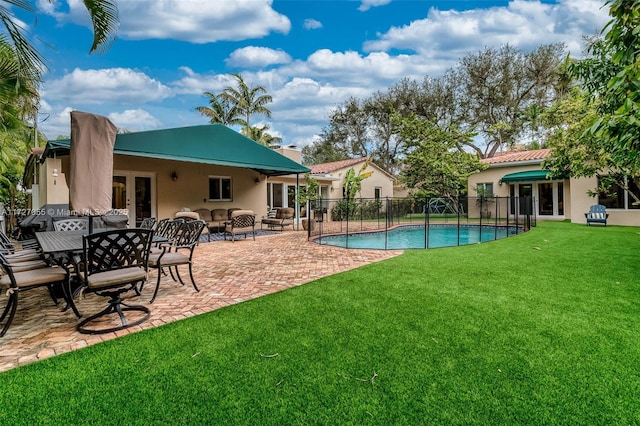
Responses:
[516,156]
[318,169]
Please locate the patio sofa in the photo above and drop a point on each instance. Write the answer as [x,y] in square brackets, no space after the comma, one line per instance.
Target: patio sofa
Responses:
[282,217]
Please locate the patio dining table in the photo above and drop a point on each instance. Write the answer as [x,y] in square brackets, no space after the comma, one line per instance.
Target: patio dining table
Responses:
[60,242]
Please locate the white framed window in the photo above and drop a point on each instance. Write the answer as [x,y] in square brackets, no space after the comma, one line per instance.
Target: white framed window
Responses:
[486,189]
[618,197]
[377,192]
[220,188]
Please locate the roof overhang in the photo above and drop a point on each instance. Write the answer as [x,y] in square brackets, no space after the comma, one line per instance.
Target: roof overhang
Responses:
[528,176]
[208,144]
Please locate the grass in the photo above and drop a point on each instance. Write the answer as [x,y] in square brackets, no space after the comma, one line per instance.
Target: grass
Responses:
[537,329]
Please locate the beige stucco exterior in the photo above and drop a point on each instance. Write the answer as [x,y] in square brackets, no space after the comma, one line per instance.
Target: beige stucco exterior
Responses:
[494,175]
[582,201]
[575,198]
[190,189]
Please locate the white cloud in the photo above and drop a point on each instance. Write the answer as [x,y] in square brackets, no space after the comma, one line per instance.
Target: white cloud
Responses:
[191,21]
[368,4]
[312,24]
[134,120]
[256,57]
[114,85]
[525,24]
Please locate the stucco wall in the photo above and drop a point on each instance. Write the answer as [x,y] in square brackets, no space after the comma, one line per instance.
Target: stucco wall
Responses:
[494,174]
[191,189]
[582,202]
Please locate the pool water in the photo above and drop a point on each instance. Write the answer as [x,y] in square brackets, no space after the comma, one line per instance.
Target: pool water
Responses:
[413,237]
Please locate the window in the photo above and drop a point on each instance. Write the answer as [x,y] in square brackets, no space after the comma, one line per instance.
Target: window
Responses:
[219,188]
[614,198]
[485,189]
[377,191]
[634,188]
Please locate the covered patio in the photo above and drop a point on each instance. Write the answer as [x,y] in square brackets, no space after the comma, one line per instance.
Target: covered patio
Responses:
[227,273]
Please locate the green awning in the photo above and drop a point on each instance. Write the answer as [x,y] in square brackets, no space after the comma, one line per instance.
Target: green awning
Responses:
[528,176]
[207,144]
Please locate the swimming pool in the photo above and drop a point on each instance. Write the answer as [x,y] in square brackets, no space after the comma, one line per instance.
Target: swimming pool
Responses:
[413,237]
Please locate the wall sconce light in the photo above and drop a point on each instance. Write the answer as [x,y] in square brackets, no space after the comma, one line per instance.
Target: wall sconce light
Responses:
[174,176]
[54,173]
[257,181]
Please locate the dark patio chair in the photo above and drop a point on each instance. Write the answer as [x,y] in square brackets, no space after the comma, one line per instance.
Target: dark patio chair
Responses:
[16,280]
[148,223]
[178,252]
[71,225]
[114,262]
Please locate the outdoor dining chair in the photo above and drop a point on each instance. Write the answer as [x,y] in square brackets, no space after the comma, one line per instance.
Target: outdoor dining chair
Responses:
[71,225]
[148,223]
[177,253]
[114,262]
[15,281]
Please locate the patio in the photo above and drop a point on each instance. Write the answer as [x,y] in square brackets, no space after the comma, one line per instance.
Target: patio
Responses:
[226,273]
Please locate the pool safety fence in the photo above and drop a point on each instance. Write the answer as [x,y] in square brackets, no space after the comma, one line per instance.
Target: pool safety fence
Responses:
[351,216]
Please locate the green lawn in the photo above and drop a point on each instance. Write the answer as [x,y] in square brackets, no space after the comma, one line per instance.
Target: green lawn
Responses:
[542,328]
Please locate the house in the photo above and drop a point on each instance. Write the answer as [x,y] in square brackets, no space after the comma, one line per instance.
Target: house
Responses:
[520,174]
[159,172]
[331,179]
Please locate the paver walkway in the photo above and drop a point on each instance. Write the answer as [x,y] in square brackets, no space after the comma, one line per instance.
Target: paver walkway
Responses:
[226,273]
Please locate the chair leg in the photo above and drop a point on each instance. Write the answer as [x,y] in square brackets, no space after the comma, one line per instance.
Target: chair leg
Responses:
[68,295]
[178,275]
[116,305]
[191,275]
[155,291]
[12,304]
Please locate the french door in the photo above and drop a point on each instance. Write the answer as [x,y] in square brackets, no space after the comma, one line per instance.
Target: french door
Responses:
[134,192]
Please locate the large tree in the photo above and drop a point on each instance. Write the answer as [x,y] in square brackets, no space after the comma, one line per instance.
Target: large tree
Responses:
[611,78]
[601,136]
[500,85]
[248,100]
[435,164]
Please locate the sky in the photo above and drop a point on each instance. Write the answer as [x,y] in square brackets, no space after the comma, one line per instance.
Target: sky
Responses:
[310,55]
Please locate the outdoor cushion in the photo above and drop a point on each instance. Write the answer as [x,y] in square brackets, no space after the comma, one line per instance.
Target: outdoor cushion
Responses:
[35,276]
[597,214]
[115,276]
[171,258]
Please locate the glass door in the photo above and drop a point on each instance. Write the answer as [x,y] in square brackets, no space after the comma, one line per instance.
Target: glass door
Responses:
[135,193]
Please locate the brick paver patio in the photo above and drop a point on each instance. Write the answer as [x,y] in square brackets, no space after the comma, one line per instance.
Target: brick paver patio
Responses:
[226,273]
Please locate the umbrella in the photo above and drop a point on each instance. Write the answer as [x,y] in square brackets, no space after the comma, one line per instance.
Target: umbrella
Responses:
[91,164]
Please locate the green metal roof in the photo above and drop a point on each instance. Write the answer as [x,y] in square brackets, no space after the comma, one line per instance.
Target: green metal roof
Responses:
[208,144]
[528,176]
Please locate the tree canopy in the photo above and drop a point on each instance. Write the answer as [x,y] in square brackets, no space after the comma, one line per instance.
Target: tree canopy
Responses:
[601,130]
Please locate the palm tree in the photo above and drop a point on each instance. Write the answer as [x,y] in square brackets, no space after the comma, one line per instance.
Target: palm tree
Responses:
[104,16]
[248,100]
[221,110]
[260,135]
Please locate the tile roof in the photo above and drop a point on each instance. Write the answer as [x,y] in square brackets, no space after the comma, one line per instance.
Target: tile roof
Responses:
[324,168]
[516,156]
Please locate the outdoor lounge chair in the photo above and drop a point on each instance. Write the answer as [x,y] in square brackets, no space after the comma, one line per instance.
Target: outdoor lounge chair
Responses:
[283,217]
[242,222]
[597,214]
[114,262]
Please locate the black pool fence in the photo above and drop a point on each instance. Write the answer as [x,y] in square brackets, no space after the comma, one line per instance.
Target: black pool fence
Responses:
[349,216]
